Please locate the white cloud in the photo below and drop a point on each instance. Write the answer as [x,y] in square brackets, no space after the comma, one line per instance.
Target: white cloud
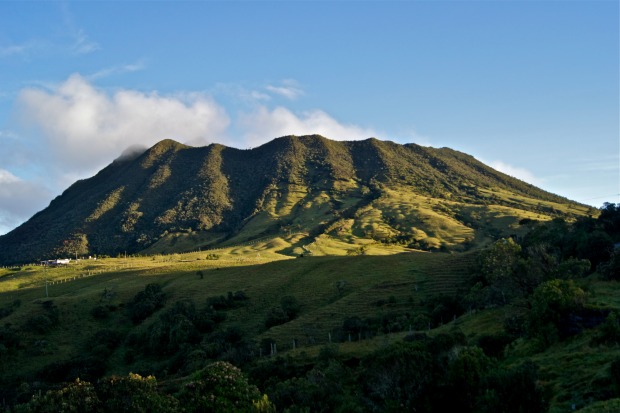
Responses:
[263,125]
[82,44]
[6,177]
[11,50]
[516,172]
[19,199]
[116,70]
[289,89]
[84,128]
[25,49]
[240,93]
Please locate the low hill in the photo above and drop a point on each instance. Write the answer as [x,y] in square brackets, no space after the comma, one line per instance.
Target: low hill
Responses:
[175,198]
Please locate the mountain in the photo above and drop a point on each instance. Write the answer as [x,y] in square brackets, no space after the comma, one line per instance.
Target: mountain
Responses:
[174,197]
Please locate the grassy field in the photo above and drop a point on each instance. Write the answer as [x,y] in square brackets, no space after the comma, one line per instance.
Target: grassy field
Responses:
[399,280]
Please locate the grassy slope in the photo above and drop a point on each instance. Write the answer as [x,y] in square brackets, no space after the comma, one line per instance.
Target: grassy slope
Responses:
[261,273]
[569,369]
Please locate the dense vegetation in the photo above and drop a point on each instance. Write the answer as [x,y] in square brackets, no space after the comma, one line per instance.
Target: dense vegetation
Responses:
[210,196]
[529,324]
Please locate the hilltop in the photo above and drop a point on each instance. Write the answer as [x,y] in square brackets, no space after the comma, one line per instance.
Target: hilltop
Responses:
[294,190]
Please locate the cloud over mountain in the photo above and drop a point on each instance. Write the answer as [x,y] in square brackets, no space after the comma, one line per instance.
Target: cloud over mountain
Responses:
[262,123]
[82,125]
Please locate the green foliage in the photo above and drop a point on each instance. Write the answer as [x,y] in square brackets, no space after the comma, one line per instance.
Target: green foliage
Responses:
[232,300]
[288,310]
[221,387]
[611,269]
[146,303]
[499,268]
[263,405]
[610,219]
[134,393]
[609,332]
[513,391]
[77,397]
[551,303]
[422,288]
[176,326]
[400,378]
[465,374]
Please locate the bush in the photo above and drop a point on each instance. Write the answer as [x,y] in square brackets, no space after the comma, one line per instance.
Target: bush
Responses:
[134,393]
[609,332]
[220,387]
[512,391]
[146,303]
[79,396]
[288,310]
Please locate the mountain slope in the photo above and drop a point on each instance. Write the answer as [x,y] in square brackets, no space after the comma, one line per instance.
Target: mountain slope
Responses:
[295,188]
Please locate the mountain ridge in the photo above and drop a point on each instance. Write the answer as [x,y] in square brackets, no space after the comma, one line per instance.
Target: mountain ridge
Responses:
[308,182]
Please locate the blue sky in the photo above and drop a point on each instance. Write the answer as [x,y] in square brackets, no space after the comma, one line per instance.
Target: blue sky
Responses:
[528,87]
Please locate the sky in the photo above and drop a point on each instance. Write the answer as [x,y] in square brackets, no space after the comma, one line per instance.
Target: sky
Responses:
[531,88]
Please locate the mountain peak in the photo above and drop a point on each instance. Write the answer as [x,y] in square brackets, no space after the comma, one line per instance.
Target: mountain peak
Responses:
[371,189]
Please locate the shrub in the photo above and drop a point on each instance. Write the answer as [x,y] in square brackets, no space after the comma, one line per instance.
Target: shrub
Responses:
[288,310]
[512,391]
[79,396]
[134,394]
[220,387]
[146,303]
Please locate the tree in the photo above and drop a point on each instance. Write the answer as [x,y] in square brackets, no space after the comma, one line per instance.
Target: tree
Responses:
[611,269]
[499,266]
[76,244]
[146,302]
[134,394]
[512,391]
[221,387]
[398,378]
[610,218]
[465,374]
[552,302]
[288,310]
[79,396]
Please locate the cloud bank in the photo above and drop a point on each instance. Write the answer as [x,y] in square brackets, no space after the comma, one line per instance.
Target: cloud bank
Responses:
[263,124]
[515,172]
[83,127]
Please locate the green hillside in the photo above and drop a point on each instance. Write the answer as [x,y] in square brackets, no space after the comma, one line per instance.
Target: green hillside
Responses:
[175,198]
[532,319]
[358,276]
